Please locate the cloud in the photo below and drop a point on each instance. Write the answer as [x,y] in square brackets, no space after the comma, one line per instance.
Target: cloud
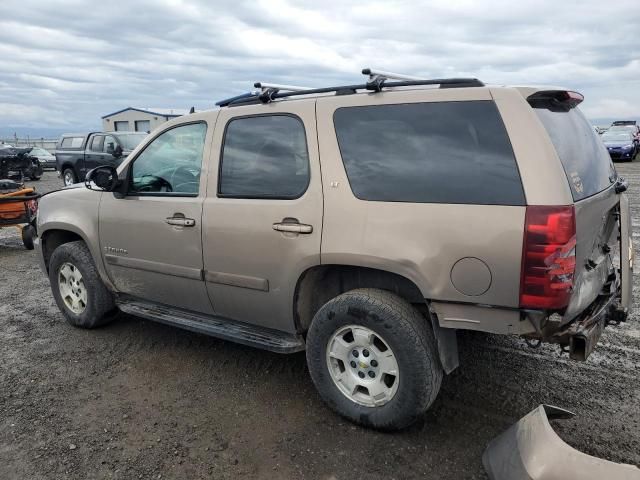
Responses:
[69,62]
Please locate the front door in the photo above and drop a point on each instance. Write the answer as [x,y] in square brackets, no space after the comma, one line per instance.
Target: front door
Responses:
[151,239]
[262,217]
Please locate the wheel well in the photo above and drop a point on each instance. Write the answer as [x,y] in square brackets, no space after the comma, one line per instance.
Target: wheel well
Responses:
[52,239]
[321,283]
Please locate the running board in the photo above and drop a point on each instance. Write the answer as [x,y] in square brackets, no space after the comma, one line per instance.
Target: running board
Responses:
[214,326]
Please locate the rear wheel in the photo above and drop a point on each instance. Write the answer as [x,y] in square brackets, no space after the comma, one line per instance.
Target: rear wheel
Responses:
[373,358]
[77,288]
[69,176]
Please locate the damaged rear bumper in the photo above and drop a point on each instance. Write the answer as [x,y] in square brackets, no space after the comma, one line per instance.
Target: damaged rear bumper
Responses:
[531,450]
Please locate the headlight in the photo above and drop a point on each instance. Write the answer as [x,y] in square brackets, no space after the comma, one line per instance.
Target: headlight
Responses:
[627,147]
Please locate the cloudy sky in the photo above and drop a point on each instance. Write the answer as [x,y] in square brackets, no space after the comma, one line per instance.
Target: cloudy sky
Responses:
[65,63]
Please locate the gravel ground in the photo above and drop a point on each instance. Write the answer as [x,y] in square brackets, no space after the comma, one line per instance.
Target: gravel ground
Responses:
[138,399]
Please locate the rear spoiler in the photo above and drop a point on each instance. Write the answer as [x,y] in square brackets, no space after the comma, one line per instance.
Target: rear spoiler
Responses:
[555,100]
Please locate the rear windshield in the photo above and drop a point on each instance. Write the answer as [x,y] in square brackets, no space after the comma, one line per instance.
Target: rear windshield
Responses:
[584,157]
[440,152]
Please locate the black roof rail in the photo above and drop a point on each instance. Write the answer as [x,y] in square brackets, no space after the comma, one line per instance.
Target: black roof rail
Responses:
[227,101]
[377,86]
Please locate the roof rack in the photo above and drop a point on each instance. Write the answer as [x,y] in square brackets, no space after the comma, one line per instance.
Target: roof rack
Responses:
[378,79]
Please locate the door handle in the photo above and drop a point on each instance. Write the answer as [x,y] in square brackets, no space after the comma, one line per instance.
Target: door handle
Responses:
[181,221]
[292,225]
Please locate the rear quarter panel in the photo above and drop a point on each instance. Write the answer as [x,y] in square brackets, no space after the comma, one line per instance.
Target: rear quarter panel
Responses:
[419,241]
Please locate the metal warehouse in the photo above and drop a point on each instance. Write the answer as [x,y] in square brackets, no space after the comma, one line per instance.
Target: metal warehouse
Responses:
[133,119]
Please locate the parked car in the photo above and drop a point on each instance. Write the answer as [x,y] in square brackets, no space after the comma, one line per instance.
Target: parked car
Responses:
[47,159]
[623,122]
[77,153]
[633,129]
[18,164]
[621,144]
[365,227]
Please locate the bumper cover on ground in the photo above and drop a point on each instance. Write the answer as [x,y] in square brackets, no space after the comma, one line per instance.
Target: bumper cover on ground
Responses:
[531,450]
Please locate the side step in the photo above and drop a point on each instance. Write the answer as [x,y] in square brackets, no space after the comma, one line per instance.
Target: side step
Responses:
[214,326]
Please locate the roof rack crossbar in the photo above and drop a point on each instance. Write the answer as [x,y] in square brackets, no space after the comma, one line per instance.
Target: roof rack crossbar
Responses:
[276,86]
[274,95]
[389,75]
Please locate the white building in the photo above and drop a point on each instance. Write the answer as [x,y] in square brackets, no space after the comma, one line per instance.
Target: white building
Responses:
[139,119]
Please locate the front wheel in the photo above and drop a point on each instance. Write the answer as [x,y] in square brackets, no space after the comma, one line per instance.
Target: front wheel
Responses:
[373,358]
[77,288]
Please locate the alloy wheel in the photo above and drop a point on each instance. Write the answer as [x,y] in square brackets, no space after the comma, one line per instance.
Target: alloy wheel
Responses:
[362,365]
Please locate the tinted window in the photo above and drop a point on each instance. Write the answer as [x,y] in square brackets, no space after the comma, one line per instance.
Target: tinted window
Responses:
[585,159]
[171,163]
[72,142]
[264,157]
[445,152]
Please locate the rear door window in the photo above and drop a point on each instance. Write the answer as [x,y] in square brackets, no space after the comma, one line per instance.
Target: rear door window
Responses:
[584,157]
[264,157]
[440,152]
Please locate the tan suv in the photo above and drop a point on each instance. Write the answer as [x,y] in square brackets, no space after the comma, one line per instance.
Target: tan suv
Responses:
[364,224]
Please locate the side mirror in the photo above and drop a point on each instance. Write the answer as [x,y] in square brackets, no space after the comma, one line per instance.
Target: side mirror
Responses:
[104,177]
[117,152]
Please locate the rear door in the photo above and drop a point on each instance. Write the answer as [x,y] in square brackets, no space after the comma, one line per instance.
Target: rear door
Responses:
[591,176]
[262,217]
[93,153]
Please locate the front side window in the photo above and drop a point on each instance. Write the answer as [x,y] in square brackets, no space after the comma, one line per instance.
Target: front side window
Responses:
[440,152]
[171,163]
[264,157]
[110,144]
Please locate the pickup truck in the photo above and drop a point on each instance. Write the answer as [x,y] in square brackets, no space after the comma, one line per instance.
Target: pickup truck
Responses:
[77,153]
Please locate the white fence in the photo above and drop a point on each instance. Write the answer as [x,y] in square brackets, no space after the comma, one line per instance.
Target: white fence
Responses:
[46,143]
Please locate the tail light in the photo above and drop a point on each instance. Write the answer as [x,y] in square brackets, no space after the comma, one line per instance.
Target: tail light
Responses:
[548,257]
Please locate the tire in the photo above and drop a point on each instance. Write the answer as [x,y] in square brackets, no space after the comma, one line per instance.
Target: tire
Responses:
[394,324]
[36,177]
[69,177]
[99,307]
[28,234]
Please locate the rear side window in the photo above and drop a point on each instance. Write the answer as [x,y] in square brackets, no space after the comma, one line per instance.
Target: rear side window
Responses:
[264,157]
[444,152]
[72,142]
[584,157]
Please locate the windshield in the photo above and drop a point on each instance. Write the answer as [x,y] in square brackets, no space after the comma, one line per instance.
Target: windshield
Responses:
[622,128]
[616,137]
[129,141]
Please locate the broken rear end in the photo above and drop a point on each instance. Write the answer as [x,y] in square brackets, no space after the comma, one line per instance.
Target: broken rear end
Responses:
[577,252]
